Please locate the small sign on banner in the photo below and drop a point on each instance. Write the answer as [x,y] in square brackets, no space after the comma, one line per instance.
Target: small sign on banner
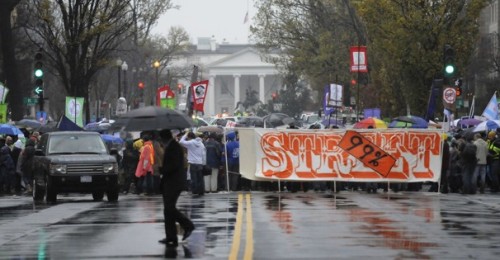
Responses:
[367,152]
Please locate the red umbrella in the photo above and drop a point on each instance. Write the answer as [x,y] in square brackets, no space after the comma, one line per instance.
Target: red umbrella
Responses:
[370,122]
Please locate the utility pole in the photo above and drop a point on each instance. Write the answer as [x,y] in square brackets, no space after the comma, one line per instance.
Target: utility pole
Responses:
[190,98]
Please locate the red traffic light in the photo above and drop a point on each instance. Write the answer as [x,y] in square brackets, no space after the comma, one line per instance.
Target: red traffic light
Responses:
[458,90]
[274,95]
[140,85]
[353,82]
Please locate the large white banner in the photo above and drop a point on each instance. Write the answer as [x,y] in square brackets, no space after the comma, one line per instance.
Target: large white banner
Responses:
[372,155]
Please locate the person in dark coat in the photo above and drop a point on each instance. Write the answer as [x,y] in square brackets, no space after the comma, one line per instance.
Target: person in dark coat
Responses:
[444,169]
[15,150]
[173,182]
[129,164]
[26,165]
[7,169]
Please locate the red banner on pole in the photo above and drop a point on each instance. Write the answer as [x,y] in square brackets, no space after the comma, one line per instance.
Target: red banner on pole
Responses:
[199,91]
[163,93]
[359,61]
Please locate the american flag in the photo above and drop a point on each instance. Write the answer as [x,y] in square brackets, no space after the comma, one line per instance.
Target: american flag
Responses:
[246,18]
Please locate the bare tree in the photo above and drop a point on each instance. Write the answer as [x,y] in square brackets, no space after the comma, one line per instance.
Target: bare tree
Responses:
[81,37]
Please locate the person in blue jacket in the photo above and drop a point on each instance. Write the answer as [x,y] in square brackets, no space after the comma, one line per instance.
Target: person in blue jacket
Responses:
[233,160]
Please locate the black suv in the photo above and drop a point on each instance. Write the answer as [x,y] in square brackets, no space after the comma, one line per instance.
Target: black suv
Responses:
[74,161]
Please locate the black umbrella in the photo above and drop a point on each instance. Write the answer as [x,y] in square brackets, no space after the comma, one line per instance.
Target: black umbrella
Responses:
[31,123]
[152,118]
[277,119]
[49,127]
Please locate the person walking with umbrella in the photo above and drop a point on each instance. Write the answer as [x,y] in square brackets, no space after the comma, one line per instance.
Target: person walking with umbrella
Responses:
[173,181]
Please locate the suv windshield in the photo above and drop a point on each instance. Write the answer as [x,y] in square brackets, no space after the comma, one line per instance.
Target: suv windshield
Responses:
[76,144]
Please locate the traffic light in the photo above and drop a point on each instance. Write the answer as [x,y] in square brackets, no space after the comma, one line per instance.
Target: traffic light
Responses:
[180,88]
[458,87]
[274,96]
[353,82]
[449,61]
[38,73]
[140,85]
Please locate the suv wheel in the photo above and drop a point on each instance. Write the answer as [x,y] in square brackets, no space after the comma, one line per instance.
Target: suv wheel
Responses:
[97,195]
[51,193]
[112,195]
[38,191]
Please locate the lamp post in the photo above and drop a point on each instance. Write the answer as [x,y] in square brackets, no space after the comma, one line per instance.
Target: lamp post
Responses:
[119,63]
[124,69]
[156,65]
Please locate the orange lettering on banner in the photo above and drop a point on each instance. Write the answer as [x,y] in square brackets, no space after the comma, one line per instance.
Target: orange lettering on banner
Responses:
[402,155]
[367,152]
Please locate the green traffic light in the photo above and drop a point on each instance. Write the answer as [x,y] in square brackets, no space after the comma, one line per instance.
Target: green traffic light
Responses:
[38,73]
[449,69]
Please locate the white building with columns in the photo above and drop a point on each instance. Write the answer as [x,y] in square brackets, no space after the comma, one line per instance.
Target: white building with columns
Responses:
[232,70]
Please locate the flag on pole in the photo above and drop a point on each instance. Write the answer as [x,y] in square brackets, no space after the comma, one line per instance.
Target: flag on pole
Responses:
[245,20]
[199,92]
[74,109]
[3,93]
[471,112]
[491,110]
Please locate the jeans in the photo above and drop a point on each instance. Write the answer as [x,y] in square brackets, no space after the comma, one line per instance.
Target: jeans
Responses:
[479,171]
[467,174]
[197,181]
[493,174]
[146,183]
[211,180]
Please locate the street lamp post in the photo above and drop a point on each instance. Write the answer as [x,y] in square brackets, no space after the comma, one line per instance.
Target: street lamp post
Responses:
[124,69]
[119,63]
[156,65]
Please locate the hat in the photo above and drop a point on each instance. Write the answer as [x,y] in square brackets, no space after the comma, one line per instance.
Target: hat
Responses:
[491,134]
[231,136]
[138,144]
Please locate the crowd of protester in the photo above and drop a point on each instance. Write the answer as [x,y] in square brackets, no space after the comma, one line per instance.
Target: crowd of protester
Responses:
[471,164]
[17,163]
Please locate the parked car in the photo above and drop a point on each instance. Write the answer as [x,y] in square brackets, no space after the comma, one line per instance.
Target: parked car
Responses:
[222,121]
[74,161]
[250,121]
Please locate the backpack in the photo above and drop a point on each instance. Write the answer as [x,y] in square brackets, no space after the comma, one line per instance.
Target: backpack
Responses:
[468,154]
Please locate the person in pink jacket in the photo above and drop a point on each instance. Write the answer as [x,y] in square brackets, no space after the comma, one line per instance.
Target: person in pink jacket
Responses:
[144,170]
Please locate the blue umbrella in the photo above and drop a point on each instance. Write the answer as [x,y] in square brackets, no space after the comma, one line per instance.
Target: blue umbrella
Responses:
[487,126]
[111,139]
[409,122]
[7,129]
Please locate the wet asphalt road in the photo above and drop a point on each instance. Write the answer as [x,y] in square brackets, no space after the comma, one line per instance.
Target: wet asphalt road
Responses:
[257,225]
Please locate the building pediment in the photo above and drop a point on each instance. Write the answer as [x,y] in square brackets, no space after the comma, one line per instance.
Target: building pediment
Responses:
[248,57]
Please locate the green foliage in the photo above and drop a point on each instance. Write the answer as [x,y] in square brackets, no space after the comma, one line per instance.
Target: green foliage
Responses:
[405,42]
[406,45]
[313,37]
[294,97]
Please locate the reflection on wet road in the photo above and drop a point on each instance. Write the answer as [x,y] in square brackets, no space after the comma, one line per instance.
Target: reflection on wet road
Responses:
[257,225]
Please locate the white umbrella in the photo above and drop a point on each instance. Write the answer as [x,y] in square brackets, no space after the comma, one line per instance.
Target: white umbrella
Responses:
[487,126]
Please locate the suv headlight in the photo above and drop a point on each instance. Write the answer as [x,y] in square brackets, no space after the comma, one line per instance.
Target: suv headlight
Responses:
[58,168]
[110,168]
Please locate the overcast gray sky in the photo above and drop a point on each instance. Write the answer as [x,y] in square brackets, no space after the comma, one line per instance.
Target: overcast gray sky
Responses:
[223,19]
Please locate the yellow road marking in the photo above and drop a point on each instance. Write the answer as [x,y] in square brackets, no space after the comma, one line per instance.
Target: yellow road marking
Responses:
[235,247]
[233,255]
[249,238]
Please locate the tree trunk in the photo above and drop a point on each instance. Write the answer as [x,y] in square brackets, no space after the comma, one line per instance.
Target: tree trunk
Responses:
[9,60]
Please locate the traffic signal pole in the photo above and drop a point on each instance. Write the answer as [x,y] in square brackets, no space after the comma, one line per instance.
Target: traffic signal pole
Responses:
[38,73]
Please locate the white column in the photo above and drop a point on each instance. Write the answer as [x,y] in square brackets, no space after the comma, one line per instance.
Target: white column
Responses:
[236,89]
[211,96]
[262,90]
